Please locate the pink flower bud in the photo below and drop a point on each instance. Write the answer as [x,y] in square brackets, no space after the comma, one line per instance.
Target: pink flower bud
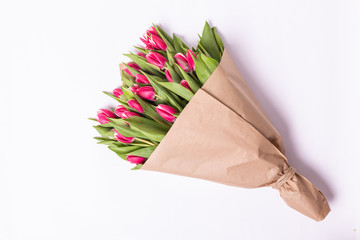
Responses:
[141,79]
[120,110]
[168,75]
[151,30]
[185,84]
[157,43]
[135,159]
[145,39]
[182,61]
[141,54]
[117,92]
[129,114]
[103,115]
[156,59]
[166,112]
[134,88]
[122,138]
[133,103]
[132,65]
[146,92]
[189,56]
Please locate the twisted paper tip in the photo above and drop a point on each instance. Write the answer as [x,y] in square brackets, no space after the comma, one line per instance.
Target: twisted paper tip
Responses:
[288,174]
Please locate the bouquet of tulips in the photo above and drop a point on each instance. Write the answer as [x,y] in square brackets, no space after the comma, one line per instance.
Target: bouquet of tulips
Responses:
[157,84]
[190,112]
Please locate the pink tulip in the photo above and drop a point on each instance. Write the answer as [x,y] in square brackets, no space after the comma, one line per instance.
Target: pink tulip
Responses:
[134,88]
[132,65]
[182,61]
[141,79]
[135,159]
[152,30]
[123,113]
[157,43]
[166,112]
[145,39]
[156,59]
[141,54]
[189,56]
[185,84]
[152,40]
[168,75]
[122,138]
[103,115]
[117,92]
[133,103]
[129,114]
[120,110]
[146,92]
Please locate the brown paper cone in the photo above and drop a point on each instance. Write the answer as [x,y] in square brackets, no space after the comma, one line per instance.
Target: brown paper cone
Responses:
[223,135]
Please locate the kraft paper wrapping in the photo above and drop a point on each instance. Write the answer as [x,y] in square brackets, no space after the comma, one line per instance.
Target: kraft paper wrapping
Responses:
[223,135]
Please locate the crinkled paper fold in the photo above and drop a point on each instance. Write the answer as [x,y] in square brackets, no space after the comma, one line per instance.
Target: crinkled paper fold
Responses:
[223,135]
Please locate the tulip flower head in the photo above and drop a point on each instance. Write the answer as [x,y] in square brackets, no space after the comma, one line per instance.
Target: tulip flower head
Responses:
[146,92]
[122,138]
[185,84]
[117,92]
[190,55]
[135,159]
[166,112]
[141,54]
[156,59]
[133,103]
[168,75]
[182,61]
[123,113]
[141,79]
[157,43]
[120,110]
[103,115]
[134,88]
[132,65]
[152,40]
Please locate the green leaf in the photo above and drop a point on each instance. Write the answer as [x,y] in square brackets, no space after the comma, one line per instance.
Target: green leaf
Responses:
[121,100]
[144,65]
[148,127]
[210,63]
[170,58]
[125,130]
[208,41]
[124,150]
[192,83]
[127,79]
[142,50]
[137,167]
[163,93]
[178,89]
[178,44]
[143,152]
[201,49]
[202,71]
[106,132]
[127,93]
[174,75]
[218,41]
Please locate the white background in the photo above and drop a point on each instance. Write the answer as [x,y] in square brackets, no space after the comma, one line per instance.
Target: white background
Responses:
[301,59]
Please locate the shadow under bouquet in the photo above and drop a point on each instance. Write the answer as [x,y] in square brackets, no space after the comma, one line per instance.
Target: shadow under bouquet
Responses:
[188,111]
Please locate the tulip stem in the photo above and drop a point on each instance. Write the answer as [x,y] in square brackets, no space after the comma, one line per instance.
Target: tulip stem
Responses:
[145,141]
